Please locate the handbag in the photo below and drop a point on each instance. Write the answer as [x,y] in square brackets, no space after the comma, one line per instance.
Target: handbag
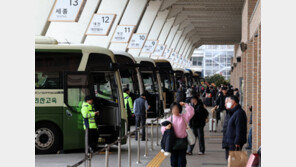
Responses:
[179,143]
[253,160]
[237,159]
[190,134]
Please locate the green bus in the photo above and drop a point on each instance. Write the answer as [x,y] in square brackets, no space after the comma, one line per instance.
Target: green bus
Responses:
[64,75]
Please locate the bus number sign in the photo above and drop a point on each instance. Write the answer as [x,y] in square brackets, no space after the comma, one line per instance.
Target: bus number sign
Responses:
[100,24]
[66,10]
[123,33]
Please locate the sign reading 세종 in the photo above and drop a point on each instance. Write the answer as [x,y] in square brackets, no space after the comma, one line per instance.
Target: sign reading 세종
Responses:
[66,10]
[100,24]
[149,46]
[123,33]
[159,50]
[137,41]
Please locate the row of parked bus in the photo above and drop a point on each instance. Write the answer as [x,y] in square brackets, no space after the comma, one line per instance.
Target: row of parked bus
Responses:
[66,73]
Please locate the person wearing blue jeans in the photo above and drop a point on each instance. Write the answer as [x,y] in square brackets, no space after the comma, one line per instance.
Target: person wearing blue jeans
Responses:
[140,108]
[178,158]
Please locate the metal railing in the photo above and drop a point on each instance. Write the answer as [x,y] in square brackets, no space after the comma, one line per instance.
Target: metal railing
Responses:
[106,148]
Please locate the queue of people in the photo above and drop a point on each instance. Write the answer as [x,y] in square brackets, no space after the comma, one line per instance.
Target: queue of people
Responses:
[175,129]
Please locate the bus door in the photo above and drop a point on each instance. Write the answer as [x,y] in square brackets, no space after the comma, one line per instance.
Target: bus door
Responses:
[152,96]
[76,87]
[105,89]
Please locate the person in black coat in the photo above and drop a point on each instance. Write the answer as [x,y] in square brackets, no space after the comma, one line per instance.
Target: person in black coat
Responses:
[220,103]
[197,124]
[179,95]
[236,131]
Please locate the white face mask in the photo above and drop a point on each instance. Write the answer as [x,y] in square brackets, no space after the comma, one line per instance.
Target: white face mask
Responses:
[228,105]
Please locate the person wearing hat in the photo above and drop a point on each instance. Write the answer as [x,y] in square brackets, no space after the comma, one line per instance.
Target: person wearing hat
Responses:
[140,108]
[88,113]
[128,104]
[220,104]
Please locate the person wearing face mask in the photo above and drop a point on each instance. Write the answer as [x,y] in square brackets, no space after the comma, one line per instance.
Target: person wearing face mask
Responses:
[236,127]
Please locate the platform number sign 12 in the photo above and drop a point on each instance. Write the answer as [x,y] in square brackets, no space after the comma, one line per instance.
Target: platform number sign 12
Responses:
[123,33]
[66,10]
[149,46]
[137,41]
[100,24]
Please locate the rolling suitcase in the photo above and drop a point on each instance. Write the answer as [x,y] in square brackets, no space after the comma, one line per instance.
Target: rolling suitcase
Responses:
[212,125]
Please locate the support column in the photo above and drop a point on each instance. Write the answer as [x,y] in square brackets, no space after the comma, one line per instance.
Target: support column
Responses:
[147,22]
[171,36]
[254,92]
[43,10]
[166,30]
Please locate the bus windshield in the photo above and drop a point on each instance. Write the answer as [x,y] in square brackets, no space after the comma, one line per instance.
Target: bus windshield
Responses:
[50,65]
[105,86]
[149,82]
[129,80]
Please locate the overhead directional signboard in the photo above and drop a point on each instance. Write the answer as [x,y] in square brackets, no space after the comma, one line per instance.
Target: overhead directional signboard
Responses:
[176,58]
[100,24]
[159,50]
[66,10]
[149,46]
[137,41]
[167,52]
[123,33]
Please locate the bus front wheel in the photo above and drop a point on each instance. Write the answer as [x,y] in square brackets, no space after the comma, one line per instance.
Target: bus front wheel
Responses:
[47,138]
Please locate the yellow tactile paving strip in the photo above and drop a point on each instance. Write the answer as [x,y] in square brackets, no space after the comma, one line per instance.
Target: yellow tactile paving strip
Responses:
[157,160]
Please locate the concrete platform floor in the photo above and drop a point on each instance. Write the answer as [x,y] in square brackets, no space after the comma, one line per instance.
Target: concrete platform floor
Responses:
[214,155]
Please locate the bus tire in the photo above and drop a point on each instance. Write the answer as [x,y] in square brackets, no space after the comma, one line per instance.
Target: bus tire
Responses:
[47,138]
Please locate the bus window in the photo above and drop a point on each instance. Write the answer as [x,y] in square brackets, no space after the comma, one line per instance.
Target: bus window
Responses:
[148,82]
[105,86]
[127,80]
[50,65]
[77,89]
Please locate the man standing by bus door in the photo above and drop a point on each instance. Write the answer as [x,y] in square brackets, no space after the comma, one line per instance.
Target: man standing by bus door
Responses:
[128,104]
[141,106]
[88,114]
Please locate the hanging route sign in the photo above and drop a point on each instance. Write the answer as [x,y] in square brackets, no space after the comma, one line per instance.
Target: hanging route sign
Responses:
[137,41]
[100,24]
[123,33]
[66,10]
[167,52]
[149,46]
[159,50]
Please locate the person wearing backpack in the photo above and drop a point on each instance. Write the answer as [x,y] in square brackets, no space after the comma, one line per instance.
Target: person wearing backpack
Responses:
[197,124]
[179,122]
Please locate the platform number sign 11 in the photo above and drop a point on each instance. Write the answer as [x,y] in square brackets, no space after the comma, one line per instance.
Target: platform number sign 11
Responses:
[137,41]
[123,33]
[66,10]
[100,24]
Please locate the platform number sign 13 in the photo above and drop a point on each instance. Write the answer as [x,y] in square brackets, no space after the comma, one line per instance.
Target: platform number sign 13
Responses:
[100,24]
[66,10]
[123,33]
[137,41]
